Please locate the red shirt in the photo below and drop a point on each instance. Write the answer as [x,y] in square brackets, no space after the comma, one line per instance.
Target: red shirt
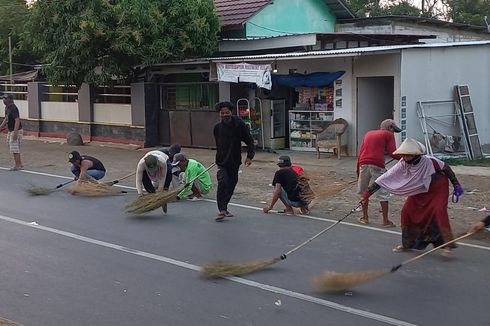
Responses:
[375,145]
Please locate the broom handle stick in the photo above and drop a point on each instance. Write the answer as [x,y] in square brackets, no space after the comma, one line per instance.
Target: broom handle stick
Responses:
[125,177]
[284,256]
[64,184]
[431,251]
[201,173]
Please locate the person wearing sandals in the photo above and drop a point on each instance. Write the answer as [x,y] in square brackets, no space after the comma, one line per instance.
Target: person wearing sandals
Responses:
[287,188]
[371,164]
[228,134]
[14,127]
[425,180]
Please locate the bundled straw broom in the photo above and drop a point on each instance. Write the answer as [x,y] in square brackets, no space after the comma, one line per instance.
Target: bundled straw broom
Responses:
[93,189]
[7,322]
[150,202]
[40,191]
[226,268]
[333,281]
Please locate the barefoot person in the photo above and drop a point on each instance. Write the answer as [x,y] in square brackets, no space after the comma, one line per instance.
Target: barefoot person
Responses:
[228,134]
[287,188]
[371,164]
[425,180]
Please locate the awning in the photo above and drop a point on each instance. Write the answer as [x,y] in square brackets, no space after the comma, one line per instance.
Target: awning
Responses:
[22,77]
[316,79]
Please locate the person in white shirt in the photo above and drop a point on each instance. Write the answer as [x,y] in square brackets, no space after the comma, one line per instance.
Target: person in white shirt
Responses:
[151,173]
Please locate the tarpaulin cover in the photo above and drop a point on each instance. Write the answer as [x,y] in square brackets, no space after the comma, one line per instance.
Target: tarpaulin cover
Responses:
[316,79]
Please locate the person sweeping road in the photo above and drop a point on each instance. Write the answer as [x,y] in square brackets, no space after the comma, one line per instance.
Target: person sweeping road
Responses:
[425,180]
[151,172]
[371,164]
[191,169]
[287,188]
[85,167]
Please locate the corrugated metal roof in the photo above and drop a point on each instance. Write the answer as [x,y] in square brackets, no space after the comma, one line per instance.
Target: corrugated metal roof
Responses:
[344,52]
[234,13]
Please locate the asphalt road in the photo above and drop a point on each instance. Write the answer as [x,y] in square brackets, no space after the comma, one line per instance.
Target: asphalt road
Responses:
[68,260]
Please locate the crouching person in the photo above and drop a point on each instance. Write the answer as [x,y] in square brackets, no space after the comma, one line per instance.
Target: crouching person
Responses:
[86,168]
[192,169]
[288,189]
[151,172]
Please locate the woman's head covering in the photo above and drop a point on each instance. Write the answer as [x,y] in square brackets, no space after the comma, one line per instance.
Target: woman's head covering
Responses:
[410,147]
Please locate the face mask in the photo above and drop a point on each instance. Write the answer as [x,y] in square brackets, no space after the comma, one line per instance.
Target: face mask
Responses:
[226,119]
[415,160]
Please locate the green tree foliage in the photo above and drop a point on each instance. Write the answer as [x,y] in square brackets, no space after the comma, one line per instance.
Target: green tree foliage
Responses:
[468,11]
[14,16]
[96,41]
[459,11]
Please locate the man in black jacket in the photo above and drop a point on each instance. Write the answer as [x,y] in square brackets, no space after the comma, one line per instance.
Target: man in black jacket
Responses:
[228,134]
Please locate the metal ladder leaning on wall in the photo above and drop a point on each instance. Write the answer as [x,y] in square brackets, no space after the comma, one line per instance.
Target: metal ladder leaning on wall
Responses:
[462,93]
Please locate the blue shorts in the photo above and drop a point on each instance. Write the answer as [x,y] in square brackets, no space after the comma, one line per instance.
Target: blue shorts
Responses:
[285,199]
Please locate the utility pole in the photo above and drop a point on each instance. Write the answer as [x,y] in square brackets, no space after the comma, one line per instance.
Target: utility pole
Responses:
[423,7]
[10,59]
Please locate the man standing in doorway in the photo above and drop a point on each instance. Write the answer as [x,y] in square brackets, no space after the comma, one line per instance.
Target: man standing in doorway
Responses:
[371,165]
[228,134]
[14,126]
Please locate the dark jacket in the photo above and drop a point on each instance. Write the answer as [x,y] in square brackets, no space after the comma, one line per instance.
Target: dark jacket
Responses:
[228,143]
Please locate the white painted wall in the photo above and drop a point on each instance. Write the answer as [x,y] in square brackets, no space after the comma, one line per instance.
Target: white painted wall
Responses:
[431,74]
[21,105]
[114,114]
[59,111]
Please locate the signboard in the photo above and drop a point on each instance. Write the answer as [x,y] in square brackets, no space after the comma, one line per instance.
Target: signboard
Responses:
[245,72]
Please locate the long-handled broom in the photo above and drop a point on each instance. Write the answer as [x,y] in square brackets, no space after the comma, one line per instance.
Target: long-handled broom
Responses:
[333,281]
[40,191]
[222,268]
[111,183]
[150,202]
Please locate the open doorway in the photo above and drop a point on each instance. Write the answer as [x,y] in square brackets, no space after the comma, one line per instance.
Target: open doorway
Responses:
[375,100]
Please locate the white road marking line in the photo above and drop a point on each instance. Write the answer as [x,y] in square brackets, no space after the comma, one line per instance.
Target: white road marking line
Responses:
[464,244]
[257,285]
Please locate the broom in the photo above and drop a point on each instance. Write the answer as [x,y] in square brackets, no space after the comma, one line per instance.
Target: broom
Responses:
[93,189]
[40,191]
[150,202]
[111,183]
[333,281]
[222,268]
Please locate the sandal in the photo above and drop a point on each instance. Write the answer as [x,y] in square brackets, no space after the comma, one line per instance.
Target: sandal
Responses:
[362,220]
[285,212]
[390,224]
[400,248]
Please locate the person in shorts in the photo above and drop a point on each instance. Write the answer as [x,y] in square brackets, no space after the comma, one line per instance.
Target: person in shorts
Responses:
[371,165]
[14,127]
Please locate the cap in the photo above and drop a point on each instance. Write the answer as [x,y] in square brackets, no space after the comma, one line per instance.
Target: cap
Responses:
[174,149]
[74,156]
[410,147]
[8,96]
[389,124]
[179,157]
[151,161]
[283,161]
